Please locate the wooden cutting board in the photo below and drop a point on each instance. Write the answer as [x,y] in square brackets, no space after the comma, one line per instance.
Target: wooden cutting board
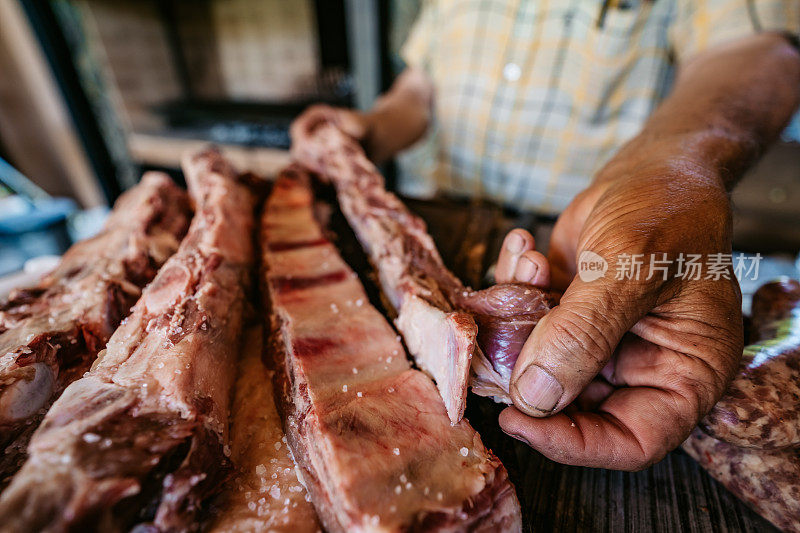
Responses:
[673,495]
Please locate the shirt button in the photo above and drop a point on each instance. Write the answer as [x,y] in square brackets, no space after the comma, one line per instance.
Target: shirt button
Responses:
[512,72]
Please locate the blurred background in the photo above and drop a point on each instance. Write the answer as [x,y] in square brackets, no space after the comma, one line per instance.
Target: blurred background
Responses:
[93,92]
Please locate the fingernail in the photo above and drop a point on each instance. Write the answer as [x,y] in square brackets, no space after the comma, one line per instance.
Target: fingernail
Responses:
[515,243]
[526,270]
[539,389]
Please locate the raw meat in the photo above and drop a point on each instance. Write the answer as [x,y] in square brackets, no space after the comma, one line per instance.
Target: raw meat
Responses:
[370,435]
[750,442]
[141,438]
[767,480]
[435,313]
[266,494]
[51,333]
[761,408]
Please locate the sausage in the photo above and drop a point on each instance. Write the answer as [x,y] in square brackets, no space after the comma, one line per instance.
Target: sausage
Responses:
[761,408]
[772,303]
[767,480]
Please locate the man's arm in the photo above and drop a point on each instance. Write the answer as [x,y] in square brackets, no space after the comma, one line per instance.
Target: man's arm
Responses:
[727,105]
[635,396]
[398,119]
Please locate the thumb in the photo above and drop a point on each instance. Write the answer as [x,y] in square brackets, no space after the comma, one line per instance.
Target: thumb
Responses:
[573,342]
[352,123]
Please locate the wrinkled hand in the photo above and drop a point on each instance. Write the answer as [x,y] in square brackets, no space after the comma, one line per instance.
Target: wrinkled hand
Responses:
[619,373]
[352,123]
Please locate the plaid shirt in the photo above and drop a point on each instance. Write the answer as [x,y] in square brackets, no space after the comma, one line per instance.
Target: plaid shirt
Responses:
[533,97]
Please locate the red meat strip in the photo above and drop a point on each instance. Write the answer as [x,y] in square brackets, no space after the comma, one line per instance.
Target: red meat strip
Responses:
[142,437]
[442,322]
[50,333]
[369,434]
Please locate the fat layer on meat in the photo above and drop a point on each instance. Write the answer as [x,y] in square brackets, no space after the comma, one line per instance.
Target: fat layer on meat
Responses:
[265,495]
[50,333]
[142,436]
[451,331]
[373,442]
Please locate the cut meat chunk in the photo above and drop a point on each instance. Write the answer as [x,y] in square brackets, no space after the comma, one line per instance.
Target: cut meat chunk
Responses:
[435,312]
[51,333]
[266,494]
[142,436]
[767,480]
[370,435]
[761,407]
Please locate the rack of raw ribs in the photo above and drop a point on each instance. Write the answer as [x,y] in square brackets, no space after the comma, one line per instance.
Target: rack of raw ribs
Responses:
[210,362]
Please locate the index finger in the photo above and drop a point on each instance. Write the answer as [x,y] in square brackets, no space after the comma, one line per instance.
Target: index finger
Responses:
[633,429]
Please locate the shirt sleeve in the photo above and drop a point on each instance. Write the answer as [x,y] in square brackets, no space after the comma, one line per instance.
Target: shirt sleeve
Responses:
[702,24]
[416,52]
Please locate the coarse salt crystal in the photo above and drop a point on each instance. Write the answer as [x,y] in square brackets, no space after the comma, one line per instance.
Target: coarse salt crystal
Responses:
[464,451]
[344,388]
[261,470]
[278,445]
[275,492]
[359,394]
[398,489]
[355,370]
[91,437]
[396,451]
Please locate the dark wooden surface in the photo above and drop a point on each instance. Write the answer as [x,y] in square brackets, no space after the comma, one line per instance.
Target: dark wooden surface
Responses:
[673,495]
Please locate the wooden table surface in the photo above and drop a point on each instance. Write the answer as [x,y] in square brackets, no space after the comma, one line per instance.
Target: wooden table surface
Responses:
[671,496]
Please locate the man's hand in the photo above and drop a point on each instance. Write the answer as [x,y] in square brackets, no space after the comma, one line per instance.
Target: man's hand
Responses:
[628,367]
[626,399]
[398,119]
[351,122]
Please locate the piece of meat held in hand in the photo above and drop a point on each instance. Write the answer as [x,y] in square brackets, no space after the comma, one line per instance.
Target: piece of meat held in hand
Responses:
[265,495]
[370,435]
[767,480]
[141,438]
[452,332]
[761,407]
[50,333]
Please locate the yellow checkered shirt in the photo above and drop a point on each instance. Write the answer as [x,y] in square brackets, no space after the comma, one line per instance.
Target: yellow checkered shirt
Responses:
[533,97]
